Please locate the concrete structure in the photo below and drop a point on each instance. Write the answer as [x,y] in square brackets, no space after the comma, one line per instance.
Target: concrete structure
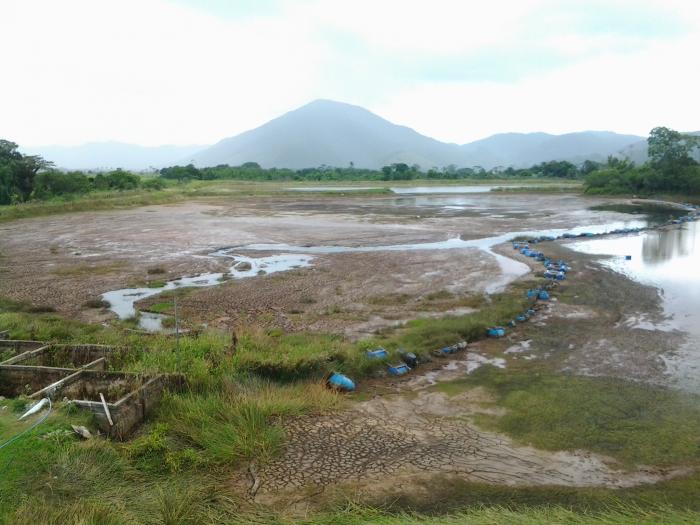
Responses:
[79,373]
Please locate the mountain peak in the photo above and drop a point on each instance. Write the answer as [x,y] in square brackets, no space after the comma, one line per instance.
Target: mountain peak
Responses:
[336,133]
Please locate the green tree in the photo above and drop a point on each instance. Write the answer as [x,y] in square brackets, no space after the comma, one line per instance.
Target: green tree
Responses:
[670,151]
[18,172]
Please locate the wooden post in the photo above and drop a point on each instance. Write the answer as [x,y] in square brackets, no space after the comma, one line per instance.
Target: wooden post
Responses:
[104,405]
[177,328]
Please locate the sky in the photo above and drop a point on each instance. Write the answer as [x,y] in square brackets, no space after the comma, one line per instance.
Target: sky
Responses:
[155,72]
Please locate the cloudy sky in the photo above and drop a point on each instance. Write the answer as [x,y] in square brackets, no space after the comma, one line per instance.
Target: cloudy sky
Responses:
[192,72]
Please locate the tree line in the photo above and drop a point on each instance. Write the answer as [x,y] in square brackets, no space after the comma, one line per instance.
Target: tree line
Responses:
[671,168]
[393,172]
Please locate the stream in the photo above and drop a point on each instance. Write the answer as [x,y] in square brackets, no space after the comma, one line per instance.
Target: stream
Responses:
[122,302]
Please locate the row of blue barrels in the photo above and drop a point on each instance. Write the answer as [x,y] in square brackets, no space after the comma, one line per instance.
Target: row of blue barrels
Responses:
[524,246]
[409,360]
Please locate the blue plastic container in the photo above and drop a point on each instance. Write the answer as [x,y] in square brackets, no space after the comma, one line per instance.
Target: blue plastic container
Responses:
[341,382]
[398,370]
[521,318]
[531,294]
[496,331]
[379,353]
[543,295]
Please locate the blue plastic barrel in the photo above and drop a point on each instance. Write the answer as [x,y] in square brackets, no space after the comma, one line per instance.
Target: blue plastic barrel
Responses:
[496,331]
[398,370]
[379,353]
[341,382]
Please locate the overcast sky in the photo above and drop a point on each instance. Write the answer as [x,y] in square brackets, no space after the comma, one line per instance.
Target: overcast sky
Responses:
[192,72]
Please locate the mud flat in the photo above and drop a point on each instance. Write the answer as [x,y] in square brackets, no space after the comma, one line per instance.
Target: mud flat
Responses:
[64,262]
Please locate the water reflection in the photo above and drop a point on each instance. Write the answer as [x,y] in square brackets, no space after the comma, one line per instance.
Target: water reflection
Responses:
[448,189]
[668,259]
[671,244]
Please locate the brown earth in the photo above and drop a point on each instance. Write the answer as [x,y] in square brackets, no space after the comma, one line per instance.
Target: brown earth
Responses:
[64,261]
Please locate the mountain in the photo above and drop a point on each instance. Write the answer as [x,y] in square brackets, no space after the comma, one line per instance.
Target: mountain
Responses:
[335,134]
[331,133]
[112,155]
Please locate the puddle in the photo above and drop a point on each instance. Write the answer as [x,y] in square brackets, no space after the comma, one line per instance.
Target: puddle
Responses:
[411,190]
[448,189]
[121,302]
[336,188]
[454,369]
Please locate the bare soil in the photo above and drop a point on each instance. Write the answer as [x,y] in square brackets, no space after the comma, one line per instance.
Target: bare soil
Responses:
[65,261]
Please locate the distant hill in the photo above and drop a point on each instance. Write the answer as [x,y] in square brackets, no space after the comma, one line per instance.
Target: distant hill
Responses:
[112,155]
[526,149]
[335,134]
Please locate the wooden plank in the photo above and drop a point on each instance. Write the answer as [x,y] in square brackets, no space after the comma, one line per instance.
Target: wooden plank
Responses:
[104,405]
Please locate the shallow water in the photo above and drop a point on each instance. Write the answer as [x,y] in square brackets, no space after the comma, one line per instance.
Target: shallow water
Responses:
[480,188]
[668,259]
[121,302]
[510,268]
[335,188]
[448,189]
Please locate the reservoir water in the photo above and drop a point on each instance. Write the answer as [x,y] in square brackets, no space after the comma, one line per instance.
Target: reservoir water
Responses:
[668,259]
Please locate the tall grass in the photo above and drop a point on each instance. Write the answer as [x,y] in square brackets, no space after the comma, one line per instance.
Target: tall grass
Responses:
[243,421]
[545,515]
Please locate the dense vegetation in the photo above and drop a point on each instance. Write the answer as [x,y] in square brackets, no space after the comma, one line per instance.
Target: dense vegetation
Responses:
[29,177]
[394,172]
[671,168]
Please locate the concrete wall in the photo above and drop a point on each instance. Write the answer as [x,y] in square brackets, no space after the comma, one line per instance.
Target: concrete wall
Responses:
[24,380]
[65,356]
[130,411]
